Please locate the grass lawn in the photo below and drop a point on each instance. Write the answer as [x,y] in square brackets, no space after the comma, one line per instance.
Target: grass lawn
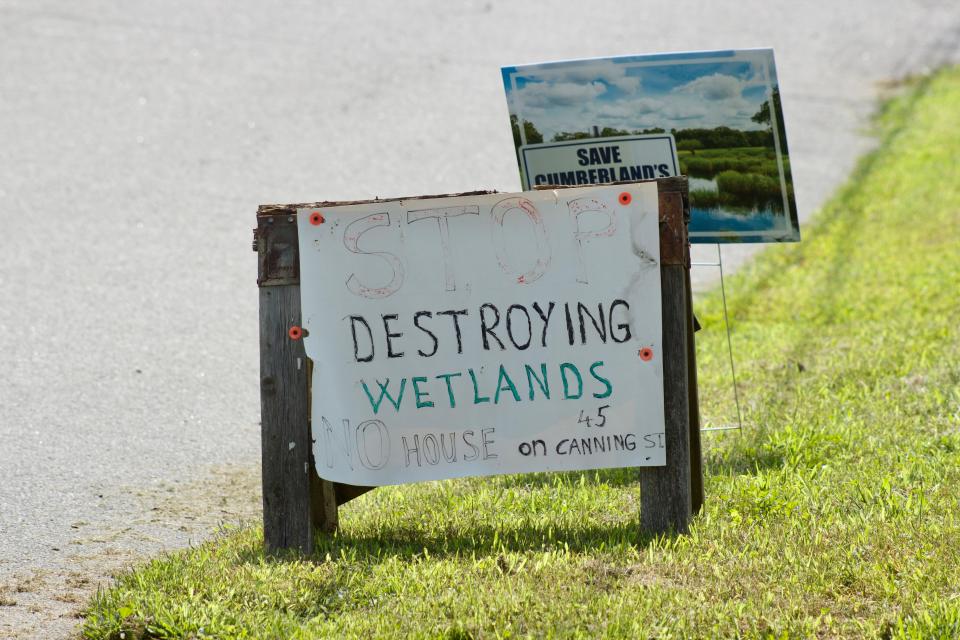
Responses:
[835,513]
[707,163]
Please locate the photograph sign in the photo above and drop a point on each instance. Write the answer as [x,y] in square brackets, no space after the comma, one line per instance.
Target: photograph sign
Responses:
[720,111]
[484,334]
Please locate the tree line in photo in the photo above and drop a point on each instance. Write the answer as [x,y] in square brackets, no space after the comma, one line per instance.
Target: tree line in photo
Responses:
[740,165]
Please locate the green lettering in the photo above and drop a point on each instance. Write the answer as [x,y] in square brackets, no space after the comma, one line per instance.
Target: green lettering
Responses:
[542,382]
[375,404]
[477,398]
[504,378]
[606,383]
[446,378]
[418,394]
[564,367]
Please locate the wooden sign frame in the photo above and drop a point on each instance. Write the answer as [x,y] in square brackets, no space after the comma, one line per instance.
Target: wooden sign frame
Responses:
[297,502]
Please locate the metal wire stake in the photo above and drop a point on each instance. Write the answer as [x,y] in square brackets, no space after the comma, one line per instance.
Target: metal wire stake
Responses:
[726,322]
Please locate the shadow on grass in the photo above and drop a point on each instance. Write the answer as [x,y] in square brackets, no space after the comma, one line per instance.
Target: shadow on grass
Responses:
[610,477]
[346,570]
[481,540]
[477,541]
[751,455]
[407,542]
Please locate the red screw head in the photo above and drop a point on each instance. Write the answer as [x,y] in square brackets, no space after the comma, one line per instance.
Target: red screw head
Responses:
[316,218]
[646,354]
[625,198]
[295,333]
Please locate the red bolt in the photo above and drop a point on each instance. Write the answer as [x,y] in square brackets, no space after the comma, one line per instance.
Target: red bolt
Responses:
[646,354]
[625,198]
[316,218]
[295,332]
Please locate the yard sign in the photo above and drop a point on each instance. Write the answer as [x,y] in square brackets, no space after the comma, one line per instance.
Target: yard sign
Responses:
[720,108]
[484,334]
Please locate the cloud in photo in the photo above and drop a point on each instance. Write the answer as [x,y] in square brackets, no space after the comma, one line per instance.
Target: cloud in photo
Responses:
[559,94]
[714,87]
[627,108]
[612,73]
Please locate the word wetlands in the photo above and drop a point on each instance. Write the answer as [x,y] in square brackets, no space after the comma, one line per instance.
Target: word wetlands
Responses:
[567,381]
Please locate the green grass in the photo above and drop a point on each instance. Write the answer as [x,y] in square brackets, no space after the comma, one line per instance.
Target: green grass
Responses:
[707,163]
[746,177]
[835,514]
[747,183]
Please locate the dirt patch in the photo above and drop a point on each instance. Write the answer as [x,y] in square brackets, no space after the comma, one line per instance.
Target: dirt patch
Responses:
[49,602]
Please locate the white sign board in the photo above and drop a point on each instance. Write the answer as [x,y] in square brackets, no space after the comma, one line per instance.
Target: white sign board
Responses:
[599,160]
[484,334]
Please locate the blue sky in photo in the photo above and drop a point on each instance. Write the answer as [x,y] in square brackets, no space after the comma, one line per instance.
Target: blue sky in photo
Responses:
[641,92]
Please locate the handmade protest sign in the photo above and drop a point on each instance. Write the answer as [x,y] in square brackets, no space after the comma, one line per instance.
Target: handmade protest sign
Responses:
[484,334]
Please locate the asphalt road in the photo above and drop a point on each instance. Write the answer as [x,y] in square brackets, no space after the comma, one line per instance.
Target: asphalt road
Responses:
[138,138]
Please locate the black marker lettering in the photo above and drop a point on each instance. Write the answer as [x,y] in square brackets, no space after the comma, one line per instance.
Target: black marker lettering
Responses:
[546,320]
[416,322]
[390,336]
[456,324]
[356,345]
[485,330]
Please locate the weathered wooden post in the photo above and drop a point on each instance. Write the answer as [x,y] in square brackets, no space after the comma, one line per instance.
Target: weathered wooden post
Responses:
[284,388]
[296,501]
[667,493]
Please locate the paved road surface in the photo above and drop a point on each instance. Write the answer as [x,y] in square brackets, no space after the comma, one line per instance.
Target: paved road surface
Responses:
[137,139]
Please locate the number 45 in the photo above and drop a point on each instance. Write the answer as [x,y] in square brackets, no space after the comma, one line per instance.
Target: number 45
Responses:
[589,420]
